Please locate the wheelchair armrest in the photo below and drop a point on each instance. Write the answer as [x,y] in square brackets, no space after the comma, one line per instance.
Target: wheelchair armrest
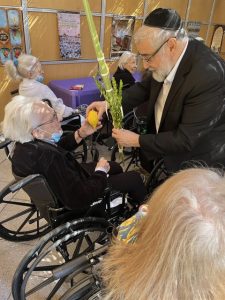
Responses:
[24,181]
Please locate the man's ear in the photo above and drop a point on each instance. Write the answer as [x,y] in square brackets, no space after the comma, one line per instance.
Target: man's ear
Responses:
[172,43]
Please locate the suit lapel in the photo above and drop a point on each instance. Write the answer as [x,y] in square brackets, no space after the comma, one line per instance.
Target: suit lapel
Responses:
[183,69]
[154,92]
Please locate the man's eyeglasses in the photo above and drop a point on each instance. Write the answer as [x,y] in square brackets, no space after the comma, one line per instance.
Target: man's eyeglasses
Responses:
[147,58]
[53,119]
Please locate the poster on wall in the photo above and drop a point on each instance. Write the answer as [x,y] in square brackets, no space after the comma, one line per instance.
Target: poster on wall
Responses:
[122,32]
[69,35]
[11,38]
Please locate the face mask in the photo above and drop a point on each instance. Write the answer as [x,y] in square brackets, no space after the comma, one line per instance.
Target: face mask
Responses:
[40,78]
[55,137]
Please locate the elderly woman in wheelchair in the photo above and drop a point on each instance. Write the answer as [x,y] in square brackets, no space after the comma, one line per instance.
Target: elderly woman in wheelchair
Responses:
[40,149]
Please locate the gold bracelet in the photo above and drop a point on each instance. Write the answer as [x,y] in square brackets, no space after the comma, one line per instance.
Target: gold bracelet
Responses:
[78,133]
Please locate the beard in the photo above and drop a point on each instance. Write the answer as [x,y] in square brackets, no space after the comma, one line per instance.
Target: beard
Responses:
[161,74]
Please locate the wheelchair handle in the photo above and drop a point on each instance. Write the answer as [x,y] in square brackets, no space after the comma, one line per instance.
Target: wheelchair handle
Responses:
[4,143]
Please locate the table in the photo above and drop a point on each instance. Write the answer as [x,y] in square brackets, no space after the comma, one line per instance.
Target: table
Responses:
[74,98]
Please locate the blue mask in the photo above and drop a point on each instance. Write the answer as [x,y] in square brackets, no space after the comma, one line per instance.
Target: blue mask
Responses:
[40,78]
[55,137]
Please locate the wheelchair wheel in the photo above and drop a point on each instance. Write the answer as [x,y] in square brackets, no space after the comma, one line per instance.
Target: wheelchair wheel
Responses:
[58,262]
[19,219]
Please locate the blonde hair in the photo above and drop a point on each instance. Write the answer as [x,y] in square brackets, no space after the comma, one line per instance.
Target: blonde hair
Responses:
[124,58]
[25,64]
[20,118]
[180,250]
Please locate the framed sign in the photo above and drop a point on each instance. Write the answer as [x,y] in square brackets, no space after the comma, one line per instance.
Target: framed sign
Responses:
[122,32]
[11,38]
[69,35]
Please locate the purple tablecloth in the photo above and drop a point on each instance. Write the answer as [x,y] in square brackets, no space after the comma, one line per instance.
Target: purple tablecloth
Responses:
[74,98]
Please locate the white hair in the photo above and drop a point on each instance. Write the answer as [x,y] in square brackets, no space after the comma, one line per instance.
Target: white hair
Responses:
[20,70]
[180,247]
[124,58]
[20,119]
[157,36]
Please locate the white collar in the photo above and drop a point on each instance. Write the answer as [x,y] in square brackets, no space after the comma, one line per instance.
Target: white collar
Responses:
[170,77]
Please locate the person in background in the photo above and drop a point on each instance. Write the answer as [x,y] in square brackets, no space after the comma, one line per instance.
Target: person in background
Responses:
[185,94]
[127,65]
[40,148]
[29,72]
[179,250]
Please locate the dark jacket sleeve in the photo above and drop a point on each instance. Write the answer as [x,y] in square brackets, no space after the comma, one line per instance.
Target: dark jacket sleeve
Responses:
[135,95]
[68,142]
[67,181]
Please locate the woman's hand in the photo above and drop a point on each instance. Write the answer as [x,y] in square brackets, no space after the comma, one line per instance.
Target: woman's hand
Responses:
[99,106]
[86,129]
[103,164]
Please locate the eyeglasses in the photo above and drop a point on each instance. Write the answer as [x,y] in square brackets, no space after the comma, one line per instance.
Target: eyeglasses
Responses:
[147,58]
[53,119]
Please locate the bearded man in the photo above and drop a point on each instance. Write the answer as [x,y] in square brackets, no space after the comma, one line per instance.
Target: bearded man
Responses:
[185,96]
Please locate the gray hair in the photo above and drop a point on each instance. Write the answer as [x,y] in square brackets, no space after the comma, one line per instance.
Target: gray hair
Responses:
[157,36]
[20,119]
[25,64]
[179,252]
[124,58]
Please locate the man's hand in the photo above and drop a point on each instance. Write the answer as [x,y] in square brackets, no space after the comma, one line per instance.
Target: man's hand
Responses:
[126,138]
[99,106]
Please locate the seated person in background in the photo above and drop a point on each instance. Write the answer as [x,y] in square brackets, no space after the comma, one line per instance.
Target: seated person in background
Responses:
[30,72]
[126,66]
[180,246]
[39,148]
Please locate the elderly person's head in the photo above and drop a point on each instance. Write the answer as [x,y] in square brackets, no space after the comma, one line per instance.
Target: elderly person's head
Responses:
[160,41]
[27,66]
[29,118]
[128,61]
[180,247]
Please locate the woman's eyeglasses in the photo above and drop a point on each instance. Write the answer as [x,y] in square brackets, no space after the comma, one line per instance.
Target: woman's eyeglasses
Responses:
[53,119]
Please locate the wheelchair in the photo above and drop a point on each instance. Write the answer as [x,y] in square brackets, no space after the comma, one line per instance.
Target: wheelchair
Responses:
[51,261]
[47,273]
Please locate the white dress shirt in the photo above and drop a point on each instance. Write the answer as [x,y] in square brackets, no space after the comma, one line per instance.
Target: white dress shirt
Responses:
[33,88]
[161,100]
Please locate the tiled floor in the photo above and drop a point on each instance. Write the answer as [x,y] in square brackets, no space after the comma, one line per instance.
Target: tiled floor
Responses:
[11,253]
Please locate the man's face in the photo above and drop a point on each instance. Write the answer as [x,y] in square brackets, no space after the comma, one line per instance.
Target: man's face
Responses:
[47,121]
[157,60]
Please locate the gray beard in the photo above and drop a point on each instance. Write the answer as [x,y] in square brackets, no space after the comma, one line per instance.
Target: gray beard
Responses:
[158,76]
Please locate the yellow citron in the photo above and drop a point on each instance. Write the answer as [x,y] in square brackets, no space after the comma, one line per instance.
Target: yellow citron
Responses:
[93,118]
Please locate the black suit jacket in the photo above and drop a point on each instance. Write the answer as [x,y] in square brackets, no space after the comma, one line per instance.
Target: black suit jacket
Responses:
[126,77]
[192,127]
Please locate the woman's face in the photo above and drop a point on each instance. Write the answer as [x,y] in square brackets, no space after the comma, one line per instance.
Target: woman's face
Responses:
[131,64]
[36,70]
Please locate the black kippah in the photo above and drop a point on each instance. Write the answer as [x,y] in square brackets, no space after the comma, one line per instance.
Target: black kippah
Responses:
[163,18]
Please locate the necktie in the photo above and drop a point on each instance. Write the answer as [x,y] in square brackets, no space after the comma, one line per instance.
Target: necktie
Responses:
[160,103]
